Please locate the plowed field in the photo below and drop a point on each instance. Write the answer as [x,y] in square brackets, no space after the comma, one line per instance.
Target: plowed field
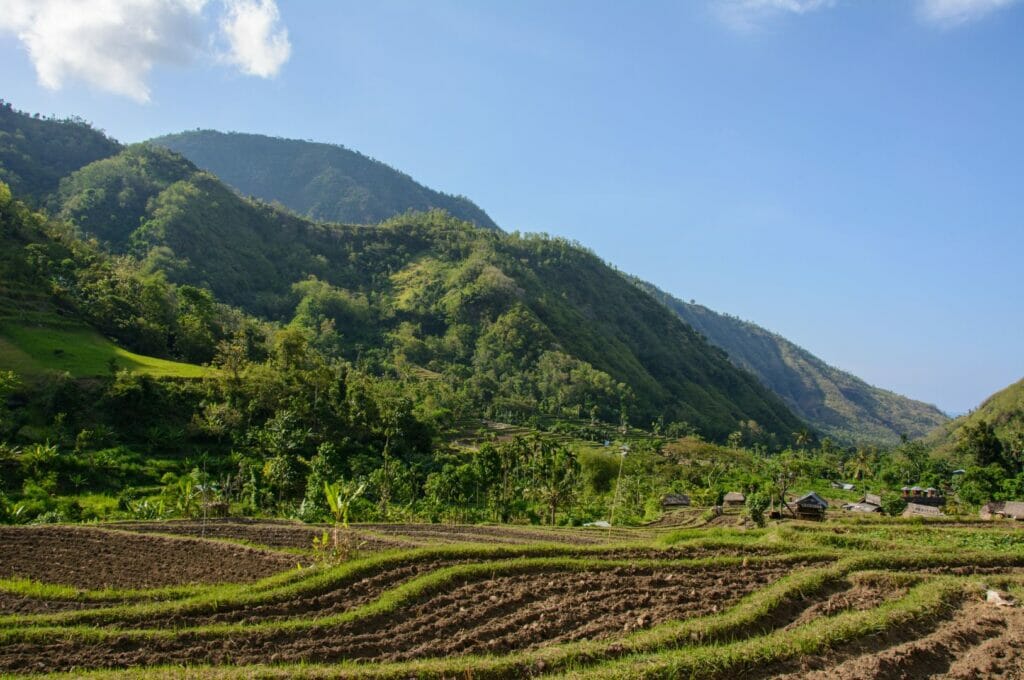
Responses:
[897,600]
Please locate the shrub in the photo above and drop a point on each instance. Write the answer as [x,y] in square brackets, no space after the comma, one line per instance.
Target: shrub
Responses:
[893,505]
[757,503]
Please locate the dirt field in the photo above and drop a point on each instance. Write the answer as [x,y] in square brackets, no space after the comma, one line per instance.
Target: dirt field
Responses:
[519,601]
[92,558]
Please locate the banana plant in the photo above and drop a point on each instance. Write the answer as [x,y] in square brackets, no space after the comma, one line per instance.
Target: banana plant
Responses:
[340,496]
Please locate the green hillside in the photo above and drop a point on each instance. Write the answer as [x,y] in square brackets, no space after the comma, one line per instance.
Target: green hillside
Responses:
[41,328]
[322,181]
[80,352]
[833,401]
[518,325]
[36,152]
[1003,412]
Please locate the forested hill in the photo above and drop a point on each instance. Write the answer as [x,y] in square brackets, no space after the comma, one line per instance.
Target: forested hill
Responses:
[835,402]
[519,326]
[323,181]
[36,152]
[1002,414]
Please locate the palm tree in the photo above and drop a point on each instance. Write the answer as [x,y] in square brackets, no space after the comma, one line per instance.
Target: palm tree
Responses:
[861,464]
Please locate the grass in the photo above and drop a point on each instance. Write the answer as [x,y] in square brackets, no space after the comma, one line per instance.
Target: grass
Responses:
[33,350]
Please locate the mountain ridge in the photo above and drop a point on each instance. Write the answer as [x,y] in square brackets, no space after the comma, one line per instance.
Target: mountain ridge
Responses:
[836,402]
[326,182]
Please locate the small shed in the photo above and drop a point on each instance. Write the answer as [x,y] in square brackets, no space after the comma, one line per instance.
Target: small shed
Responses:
[872,498]
[811,506]
[675,500]
[862,507]
[842,485]
[733,499]
[1004,509]
[920,510]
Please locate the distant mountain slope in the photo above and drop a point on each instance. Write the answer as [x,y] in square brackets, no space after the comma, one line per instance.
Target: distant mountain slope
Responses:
[1004,410]
[521,324]
[833,401]
[322,181]
[36,152]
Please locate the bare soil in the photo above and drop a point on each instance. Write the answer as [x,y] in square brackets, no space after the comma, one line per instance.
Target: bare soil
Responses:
[92,558]
[271,533]
[470,533]
[19,604]
[976,640]
[489,615]
[857,597]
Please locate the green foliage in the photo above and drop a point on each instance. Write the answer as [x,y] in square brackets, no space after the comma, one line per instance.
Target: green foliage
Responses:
[893,504]
[36,152]
[757,503]
[979,441]
[518,325]
[340,496]
[1001,415]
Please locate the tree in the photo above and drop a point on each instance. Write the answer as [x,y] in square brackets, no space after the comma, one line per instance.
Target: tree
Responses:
[980,442]
[555,471]
[500,468]
[782,471]
[862,463]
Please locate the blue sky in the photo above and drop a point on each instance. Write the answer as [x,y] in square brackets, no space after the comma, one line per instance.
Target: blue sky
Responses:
[847,174]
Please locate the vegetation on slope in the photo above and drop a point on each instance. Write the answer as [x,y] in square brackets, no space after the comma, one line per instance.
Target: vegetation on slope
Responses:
[1000,416]
[36,152]
[520,325]
[324,181]
[835,402]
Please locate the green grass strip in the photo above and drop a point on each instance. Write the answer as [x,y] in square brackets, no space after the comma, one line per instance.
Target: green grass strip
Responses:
[388,601]
[738,620]
[924,601]
[294,584]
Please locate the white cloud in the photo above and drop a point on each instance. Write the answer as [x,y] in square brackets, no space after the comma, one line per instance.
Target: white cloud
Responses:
[258,43]
[749,14]
[955,12]
[113,45]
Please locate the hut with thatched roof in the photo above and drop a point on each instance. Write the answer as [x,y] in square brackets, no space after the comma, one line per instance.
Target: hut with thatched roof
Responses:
[733,499]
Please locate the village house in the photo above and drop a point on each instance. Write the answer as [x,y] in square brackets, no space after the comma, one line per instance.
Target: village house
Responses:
[1003,509]
[811,506]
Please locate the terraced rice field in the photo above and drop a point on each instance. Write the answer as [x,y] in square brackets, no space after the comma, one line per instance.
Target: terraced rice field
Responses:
[241,598]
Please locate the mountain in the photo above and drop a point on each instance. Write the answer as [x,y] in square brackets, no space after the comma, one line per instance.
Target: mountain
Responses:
[518,325]
[1004,411]
[836,403]
[36,152]
[323,181]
